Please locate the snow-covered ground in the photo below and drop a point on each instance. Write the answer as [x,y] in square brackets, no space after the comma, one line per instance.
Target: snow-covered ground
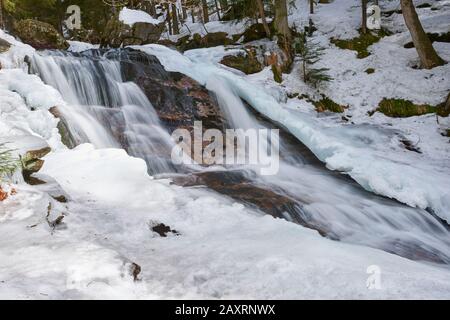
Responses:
[224,250]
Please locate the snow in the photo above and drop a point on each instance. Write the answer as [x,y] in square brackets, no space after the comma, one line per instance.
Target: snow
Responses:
[130,17]
[78,46]
[89,256]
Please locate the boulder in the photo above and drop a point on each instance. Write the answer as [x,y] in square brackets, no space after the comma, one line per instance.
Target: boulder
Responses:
[39,35]
[118,34]
[178,99]
[4,45]
[246,62]
[32,163]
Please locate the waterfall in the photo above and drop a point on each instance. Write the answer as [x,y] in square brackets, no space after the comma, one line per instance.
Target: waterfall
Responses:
[103,108]
[110,112]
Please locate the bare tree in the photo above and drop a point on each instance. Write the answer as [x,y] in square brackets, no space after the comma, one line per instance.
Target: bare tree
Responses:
[176,29]
[263,17]
[205,11]
[428,56]
[364,16]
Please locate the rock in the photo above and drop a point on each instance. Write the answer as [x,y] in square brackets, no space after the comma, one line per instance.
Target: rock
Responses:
[31,163]
[135,270]
[255,32]
[246,62]
[444,109]
[215,39]
[40,35]
[277,74]
[162,230]
[4,45]
[66,137]
[178,99]
[117,34]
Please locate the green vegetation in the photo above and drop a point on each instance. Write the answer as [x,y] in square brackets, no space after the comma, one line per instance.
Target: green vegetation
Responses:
[361,43]
[399,108]
[369,70]
[8,164]
[310,53]
[326,104]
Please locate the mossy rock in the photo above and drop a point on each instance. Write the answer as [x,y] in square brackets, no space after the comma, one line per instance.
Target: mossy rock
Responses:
[361,43]
[256,32]
[399,108]
[326,104]
[40,35]
[247,63]
[4,45]
[369,70]
[277,73]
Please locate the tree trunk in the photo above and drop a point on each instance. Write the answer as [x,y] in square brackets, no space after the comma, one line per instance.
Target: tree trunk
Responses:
[311,6]
[2,21]
[364,16]
[281,19]
[169,21]
[176,29]
[205,11]
[184,10]
[263,17]
[282,28]
[428,56]
[217,9]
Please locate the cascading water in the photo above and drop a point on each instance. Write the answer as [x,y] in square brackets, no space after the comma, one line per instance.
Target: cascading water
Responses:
[93,85]
[103,108]
[339,207]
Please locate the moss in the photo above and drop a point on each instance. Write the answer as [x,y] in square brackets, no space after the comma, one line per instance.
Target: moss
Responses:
[247,63]
[370,70]
[399,108]
[39,35]
[434,37]
[361,43]
[326,104]
[277,75]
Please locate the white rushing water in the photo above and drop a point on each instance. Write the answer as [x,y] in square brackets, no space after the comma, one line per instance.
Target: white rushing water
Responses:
[92,85]
[326,201]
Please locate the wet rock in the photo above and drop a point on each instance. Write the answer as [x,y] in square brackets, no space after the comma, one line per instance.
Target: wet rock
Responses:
[66,137]
[135,271]
[162,230]
[178,99]
[39,35]
[239,186]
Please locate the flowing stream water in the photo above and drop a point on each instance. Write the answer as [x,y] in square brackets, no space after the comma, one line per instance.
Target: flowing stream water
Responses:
[100,101]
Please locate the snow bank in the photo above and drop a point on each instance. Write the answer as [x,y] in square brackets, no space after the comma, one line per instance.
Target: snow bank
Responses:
[130,17]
